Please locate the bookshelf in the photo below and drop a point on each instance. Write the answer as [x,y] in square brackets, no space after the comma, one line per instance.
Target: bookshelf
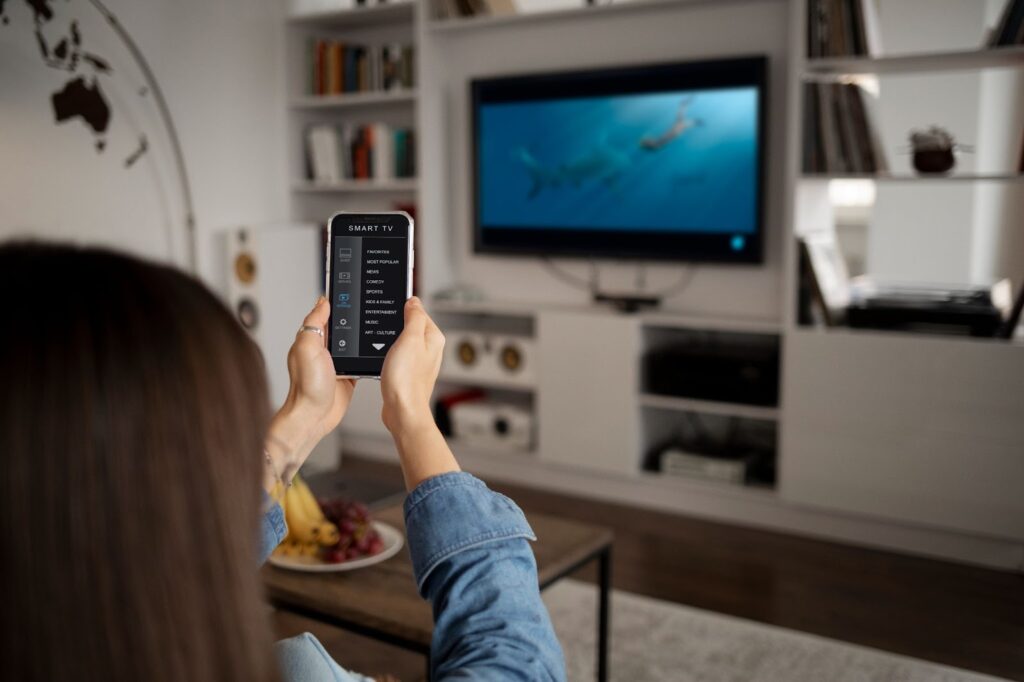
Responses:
[355,100]
[350,186]
[357,17]
[960,60]
[387,24]
[907,178]
[562,14]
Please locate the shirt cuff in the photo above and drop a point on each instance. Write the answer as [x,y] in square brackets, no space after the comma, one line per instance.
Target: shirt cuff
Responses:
[453,512]
[273,528]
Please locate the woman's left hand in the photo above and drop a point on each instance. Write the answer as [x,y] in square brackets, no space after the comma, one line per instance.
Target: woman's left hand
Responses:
[317,398]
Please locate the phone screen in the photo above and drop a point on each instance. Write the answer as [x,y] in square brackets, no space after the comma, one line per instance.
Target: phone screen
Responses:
[369,280]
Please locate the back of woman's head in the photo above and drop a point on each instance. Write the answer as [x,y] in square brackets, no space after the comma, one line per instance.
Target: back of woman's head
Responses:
[132,412]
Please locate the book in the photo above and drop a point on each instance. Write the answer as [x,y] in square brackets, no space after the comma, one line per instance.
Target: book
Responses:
[839,133]
[349,151]
[337,67]
[871,27]
[843,28]
[381,150]
[322,145]
[1010,28]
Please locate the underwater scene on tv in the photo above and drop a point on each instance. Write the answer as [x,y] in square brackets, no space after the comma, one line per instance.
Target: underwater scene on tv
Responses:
[679,162]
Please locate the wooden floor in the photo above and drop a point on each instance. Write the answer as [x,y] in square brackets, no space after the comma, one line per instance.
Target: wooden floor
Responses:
[957,615]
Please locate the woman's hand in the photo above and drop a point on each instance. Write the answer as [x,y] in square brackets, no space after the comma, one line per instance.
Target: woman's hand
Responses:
[407,380]
[317,398]
[410,370]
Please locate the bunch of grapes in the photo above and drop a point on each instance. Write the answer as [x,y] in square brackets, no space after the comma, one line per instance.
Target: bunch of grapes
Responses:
[357,538]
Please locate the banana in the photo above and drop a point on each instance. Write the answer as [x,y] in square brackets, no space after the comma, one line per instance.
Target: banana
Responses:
[329,534]
[310,549]
[300,527]
[290,548]
[309,503]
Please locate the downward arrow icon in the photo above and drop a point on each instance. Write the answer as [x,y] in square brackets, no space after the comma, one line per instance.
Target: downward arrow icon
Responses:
[378,346]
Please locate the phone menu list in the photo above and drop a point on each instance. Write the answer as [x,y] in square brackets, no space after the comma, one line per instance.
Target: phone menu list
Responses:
[368,294]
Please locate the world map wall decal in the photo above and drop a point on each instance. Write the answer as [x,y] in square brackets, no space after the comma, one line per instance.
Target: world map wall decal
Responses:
[82,96]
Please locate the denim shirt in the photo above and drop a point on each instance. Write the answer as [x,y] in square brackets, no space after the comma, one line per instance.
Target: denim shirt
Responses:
[472,561]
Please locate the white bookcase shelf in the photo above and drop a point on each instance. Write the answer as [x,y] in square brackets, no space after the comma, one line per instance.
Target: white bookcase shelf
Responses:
[996,57]
[608,9]
[349,186]
[355,100]
[883,177]
[666,402]
[358,17]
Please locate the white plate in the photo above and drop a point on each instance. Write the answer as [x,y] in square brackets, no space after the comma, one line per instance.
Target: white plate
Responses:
[389,535]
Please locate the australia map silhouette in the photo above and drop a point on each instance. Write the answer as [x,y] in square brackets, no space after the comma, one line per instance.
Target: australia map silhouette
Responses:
[82,95]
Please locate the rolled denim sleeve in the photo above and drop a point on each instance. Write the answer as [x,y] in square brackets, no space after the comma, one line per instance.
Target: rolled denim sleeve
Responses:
[273,528]
[472,561]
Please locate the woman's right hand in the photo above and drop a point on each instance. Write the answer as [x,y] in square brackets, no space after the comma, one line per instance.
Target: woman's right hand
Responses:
[410,371]
[406,382]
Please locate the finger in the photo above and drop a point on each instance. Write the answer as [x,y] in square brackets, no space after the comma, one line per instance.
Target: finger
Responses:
[319,315]
[435,337]
[415,318]
[343,390]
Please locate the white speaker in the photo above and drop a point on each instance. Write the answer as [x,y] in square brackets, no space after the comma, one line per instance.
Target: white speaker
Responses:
[275,273]
[497,426]
[501,358]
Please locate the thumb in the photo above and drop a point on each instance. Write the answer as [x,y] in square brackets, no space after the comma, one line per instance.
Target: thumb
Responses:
[415,317]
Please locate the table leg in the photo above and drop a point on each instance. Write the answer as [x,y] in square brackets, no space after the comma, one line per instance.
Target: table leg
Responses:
[427,676]
[604,577]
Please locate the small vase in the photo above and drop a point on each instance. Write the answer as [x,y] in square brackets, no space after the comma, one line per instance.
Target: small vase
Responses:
[934,161]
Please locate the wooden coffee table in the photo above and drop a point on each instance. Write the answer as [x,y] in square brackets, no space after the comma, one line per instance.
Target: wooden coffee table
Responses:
[381,601]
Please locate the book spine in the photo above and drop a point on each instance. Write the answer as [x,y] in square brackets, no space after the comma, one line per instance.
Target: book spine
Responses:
[807,163]
[829,145]
[841,133]
[879,158]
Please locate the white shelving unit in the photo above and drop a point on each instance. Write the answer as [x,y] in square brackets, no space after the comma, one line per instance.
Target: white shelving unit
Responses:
[354,100]
[897,441]
[960,60]
[393,22]
[666,402]
[888,177]
[358,17]
[404,185]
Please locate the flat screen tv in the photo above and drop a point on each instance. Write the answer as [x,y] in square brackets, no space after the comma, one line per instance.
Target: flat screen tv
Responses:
[664,162]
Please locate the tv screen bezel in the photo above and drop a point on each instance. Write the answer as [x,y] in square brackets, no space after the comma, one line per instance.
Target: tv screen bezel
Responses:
[623,243]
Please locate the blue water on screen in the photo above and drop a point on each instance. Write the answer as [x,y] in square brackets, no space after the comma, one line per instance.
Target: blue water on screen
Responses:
[672,162]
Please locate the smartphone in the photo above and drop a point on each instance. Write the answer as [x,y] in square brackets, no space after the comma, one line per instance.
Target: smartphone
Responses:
[369,278]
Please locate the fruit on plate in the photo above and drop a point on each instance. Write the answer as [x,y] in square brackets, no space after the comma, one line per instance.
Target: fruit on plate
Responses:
[308,528]
[334,531]
[358,538]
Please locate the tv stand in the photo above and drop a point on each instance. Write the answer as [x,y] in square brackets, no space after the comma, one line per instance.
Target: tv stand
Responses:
[627,303]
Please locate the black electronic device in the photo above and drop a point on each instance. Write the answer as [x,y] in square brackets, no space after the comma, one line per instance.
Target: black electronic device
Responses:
[369,278]
[707,370]
[659,161]
[968,312]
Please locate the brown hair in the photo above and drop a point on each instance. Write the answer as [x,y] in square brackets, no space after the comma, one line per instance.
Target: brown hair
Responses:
[132,416]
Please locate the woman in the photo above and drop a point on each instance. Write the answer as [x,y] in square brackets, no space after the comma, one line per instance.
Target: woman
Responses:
[134,438]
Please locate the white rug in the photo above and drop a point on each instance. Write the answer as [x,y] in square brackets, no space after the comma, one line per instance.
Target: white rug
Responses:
[653,640]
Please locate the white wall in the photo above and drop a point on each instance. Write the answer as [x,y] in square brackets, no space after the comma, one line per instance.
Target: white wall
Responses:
[220,64]
[700,30]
